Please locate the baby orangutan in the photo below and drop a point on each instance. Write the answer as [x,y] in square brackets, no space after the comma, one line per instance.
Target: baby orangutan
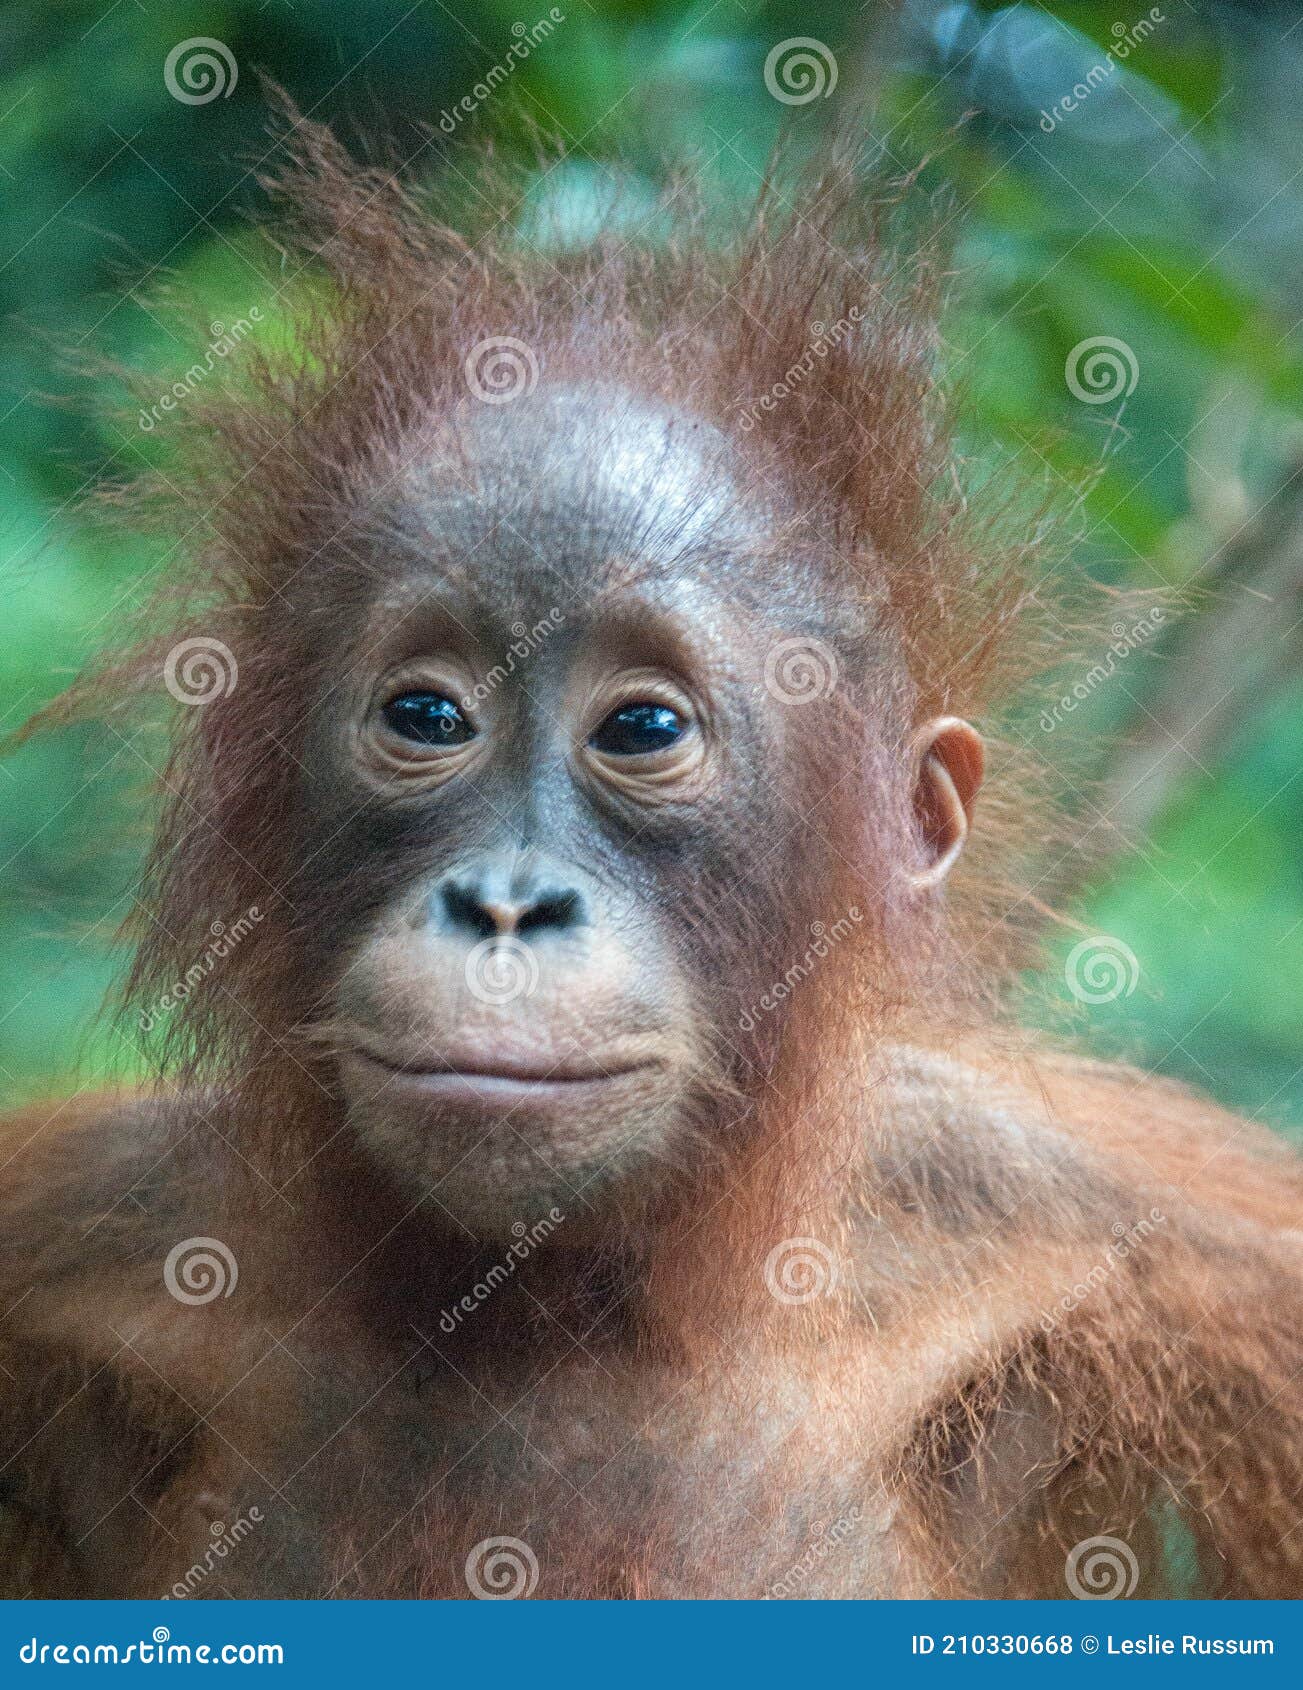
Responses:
[597,1165]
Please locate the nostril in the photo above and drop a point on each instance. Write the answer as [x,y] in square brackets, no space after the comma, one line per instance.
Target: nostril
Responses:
[465,909]
[552,909]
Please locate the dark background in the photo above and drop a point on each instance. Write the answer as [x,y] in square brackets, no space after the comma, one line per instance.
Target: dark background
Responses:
[1164,210]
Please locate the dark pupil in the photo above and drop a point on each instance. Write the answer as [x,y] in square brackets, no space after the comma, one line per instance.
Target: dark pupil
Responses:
[636,729]
[428,717]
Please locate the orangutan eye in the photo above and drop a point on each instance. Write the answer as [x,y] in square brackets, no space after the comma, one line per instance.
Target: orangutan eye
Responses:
[429,718]
[637,730]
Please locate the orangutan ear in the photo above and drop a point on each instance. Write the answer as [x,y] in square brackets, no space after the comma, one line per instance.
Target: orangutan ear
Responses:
[950,761]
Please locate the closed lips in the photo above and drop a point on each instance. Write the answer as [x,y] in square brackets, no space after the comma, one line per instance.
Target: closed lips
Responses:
[520,1073]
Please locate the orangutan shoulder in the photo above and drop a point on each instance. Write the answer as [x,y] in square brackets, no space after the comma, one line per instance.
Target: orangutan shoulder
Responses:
[94,1192]
[1033,1141]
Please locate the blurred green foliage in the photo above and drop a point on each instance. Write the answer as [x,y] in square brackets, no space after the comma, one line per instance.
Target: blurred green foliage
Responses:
[1160,209]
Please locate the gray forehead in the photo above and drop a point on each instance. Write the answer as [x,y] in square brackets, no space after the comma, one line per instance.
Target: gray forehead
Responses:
[575,487]
[641,467]
[613,456]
